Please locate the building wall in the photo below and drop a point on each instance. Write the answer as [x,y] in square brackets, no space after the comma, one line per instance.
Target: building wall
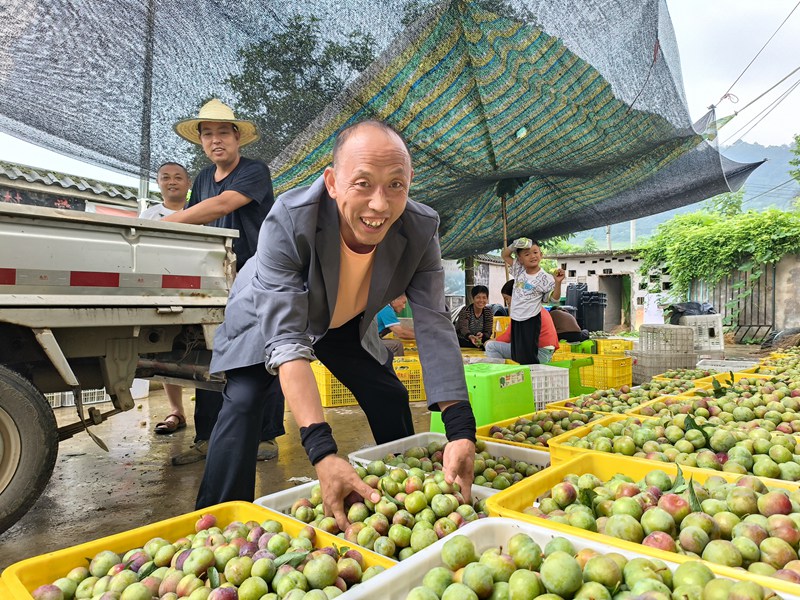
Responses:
[787,301]
[593,268]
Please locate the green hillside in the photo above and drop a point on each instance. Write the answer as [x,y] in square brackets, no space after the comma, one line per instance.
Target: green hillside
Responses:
[756,197]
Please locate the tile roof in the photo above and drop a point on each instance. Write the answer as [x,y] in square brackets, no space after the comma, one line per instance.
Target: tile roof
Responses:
[47,177]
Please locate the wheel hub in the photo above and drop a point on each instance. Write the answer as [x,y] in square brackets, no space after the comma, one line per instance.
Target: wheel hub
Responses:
[10,449]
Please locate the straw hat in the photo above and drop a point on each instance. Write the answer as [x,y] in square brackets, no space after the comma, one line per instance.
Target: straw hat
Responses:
[216,112]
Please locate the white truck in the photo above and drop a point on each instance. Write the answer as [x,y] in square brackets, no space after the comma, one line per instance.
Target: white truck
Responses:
[90,301]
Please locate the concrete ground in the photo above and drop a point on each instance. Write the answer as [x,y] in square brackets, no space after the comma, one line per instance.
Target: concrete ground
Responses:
[94,494]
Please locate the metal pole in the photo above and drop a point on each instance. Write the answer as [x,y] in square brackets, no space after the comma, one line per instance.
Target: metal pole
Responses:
[147,102]
[608,237]
[505,230]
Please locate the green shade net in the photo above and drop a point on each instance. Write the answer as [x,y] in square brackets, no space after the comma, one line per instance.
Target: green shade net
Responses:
[572,109]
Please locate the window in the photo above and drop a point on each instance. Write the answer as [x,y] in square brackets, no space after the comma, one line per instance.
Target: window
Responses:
[665,285]
[642,285]
[655,277]
[592,273]
[621,259]
[607,271]
[594,262]
[583,262]
[640,301]
[665,271]
[564,266]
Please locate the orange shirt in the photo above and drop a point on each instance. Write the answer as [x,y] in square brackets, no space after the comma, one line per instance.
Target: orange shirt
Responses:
[355,274]
[547,334]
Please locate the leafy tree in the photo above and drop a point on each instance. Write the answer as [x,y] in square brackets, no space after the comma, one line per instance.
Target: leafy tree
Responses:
[795,162]
[795,173]
[590,245]
[709,246]
[727,205]
[287,79]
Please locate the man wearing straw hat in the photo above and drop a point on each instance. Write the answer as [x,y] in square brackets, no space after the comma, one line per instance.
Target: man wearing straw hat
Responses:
[235,193]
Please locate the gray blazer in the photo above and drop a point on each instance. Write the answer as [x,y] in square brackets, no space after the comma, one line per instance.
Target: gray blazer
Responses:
[283,298]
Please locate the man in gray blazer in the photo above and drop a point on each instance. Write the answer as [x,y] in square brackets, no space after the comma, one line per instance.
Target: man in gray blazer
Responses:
[329,257]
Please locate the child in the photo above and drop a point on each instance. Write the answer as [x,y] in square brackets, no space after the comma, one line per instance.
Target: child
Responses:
[532,286]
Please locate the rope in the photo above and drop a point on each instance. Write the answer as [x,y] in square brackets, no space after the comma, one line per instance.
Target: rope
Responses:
[768,109]
[725,95]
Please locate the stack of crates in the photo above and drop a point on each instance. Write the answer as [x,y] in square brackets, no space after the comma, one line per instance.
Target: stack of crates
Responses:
[549,384]
[333,393]
[708,334]
[607,371]
[613,346]
[662,348]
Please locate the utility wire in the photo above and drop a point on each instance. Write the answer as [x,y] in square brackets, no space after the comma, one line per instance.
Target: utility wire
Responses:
[769,190]
[765,112]
[725,95]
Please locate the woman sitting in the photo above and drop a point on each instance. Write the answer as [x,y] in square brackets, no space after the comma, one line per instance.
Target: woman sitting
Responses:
[474,322]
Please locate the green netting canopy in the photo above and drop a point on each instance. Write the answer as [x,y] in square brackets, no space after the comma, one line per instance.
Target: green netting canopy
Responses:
[572,109]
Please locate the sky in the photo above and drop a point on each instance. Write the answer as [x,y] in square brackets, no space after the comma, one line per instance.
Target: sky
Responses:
[716,40]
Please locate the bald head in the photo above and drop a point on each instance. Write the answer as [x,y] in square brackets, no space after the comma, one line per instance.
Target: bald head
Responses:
[345,134]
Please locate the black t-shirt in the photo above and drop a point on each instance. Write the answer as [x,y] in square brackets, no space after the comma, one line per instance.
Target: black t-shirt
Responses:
[250,178]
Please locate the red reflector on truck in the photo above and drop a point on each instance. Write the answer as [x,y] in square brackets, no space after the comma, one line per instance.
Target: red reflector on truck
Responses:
[93,279]
[8,276]
[185,282]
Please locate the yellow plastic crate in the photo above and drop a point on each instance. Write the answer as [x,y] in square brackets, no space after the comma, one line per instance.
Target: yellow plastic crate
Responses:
[499,325]
[482,432]
[331,391]
[607,372]
[613,346]
[724,379]
[637,411]
[25,576]
[563,352]
[511,502]
[560,453]
[409,372]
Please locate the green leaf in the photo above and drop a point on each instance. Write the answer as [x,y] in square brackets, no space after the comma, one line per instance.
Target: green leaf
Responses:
[146,570]
[680,482]
[691,424]
[393,501]
[694,503]
[291,558]
[213,577]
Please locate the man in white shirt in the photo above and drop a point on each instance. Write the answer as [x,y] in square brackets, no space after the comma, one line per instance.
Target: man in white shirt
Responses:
[174,182]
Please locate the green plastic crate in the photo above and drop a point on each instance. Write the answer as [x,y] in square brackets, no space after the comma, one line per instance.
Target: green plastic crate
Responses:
[496,392]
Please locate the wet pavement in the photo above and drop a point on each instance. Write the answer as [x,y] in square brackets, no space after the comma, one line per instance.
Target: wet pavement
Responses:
[93,494]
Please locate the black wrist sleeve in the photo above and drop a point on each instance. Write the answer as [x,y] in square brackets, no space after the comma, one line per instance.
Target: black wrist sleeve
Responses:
[459,422]
[318,441]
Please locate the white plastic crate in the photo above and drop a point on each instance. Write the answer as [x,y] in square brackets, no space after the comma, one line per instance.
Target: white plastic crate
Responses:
[708,334]
[647,365]
[666,339]
[58,399]
[550,384]
[496,449]
[397,582]
[723,366]
[53,399]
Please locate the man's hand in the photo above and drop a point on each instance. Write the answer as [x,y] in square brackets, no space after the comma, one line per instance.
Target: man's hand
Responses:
[559,275]
[459,458]
[336,480]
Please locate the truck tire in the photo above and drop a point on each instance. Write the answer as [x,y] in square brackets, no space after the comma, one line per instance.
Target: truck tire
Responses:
[28,445]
